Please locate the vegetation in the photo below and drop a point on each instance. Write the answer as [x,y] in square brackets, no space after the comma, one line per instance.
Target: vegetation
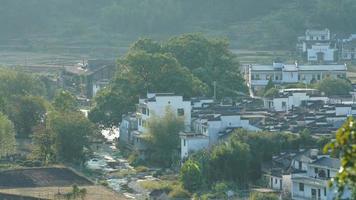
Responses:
[238,160]
[186,65]
[252,23]
[263,196]
[162,138]
[344,147]
[7,136]
[334,86]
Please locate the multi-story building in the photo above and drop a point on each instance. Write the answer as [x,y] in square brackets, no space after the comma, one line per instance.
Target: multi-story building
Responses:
[280,73]
[313,183]
[134,125]
[317,46]
[348,51]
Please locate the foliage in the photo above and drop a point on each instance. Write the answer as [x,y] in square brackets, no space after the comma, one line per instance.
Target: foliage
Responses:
[263,196]
[186,65]
[271,92]
[7,136]
[43,141]
[71,131]
[238,160]
[191,176]
[334,87]
[26,112]
[269,85]
[344,146]
[64,102]
[179,193]
[162,138]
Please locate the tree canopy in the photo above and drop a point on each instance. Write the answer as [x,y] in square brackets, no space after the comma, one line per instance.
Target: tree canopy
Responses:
[7,136]
[334,86]
[186,65]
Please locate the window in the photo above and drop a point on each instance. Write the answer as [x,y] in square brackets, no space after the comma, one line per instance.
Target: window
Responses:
[180,111]
[257,77]
[277,78]
[316,171]
[148,111]
[143,111]
[252,77]
[324,191]
[275,181]
[318,77]
[139,122]
[328,173]
[300,165]
[184,142]
[298,77]
[301,186]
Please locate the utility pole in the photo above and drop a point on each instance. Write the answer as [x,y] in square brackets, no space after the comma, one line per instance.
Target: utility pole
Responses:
[214,90]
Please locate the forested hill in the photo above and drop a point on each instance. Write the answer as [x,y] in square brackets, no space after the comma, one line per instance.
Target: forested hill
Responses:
[256,24]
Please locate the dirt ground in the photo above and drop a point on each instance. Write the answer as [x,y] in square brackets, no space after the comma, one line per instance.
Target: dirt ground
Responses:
[41,177]
[93,192]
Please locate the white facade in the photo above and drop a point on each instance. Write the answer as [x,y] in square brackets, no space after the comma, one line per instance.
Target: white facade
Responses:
[207,130]
[158,104]
[317,35]
[259,75]
[321,52]
[191,143]
[291,98]
[313,184]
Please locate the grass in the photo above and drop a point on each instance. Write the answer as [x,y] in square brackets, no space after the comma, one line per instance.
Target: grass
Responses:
[123,173]
[173,188]
[6,166]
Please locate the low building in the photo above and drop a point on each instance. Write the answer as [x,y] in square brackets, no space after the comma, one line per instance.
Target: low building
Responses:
[279,73]
[288,99]
[313,183]
[86,79]
[348,51]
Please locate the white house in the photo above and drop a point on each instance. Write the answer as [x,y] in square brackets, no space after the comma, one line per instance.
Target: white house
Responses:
[156,104]
[134,125]
[317,46]
[321,52]
[208,129]
[313,183]
[279,73]
[287,99]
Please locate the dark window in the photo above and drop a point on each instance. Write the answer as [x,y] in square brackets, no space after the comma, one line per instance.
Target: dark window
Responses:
[275,181]
[277,78]
[143,111]
[324,191]
[180,111]
[319,193]
[184,142]
[316,170]
[300,165]
[148,111]
[318,76]
[301,186]
[328,173]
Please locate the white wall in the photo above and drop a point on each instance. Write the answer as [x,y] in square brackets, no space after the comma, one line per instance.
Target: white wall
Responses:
[325,49]
[192,144]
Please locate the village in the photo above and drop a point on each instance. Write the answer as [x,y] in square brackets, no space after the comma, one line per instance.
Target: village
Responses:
[293,98]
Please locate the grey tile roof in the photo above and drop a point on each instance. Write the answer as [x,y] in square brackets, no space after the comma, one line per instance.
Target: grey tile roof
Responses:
[327,162]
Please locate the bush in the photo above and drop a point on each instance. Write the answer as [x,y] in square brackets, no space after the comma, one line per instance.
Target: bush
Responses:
[263,196]
[179,193]
[140,169]
[190,175]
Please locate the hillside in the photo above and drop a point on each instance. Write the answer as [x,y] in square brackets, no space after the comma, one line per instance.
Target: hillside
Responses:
[249,24]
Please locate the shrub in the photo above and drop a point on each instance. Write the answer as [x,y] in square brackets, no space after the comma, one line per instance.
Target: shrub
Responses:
[140,169]
[179,193]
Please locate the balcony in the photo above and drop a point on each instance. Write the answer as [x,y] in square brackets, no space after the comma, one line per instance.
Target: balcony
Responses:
[304,178]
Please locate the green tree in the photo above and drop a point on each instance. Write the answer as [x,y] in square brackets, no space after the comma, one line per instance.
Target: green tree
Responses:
[335,86]
[271,92]
[7,136]
[191,176]
[43,144]
[72,131]
[269,85]
[162,137]
[210,60]
[26,112]
[65,102]
[344,146]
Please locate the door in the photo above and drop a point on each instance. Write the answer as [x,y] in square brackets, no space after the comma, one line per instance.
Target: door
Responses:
[313,193]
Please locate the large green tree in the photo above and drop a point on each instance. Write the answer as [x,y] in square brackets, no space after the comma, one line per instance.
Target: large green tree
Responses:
[191,175]
[72,131]
[26,112]
[333,87]
[7,136]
